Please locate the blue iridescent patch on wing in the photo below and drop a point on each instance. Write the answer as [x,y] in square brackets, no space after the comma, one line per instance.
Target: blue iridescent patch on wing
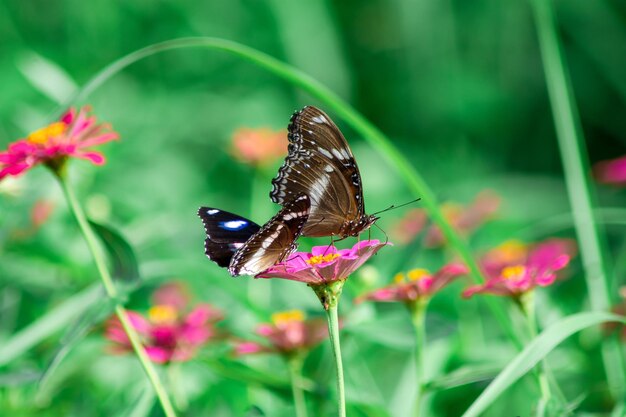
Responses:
[234,224]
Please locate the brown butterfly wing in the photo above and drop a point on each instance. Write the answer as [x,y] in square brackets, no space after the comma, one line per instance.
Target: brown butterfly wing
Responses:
[274,241]
[321,165]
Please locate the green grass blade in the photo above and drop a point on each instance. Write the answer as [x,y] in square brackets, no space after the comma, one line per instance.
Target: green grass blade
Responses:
[576,168]
[360,124]
[48,324]
[534,352]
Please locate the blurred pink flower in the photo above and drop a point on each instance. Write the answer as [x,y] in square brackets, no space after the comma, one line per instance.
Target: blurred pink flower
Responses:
[325,264]
[420,286]
[41,212]
[514,268]
[288,333]
[259,146]
[611,172]
[52,145]
[464,219]
[168,334]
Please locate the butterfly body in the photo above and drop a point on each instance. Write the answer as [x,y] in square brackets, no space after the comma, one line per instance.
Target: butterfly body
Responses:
[320,164]
[246,248]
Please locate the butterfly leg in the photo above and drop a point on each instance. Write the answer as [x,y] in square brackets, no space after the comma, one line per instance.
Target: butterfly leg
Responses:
[386,237]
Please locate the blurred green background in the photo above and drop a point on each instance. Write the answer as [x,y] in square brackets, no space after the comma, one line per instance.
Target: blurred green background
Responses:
[457,85]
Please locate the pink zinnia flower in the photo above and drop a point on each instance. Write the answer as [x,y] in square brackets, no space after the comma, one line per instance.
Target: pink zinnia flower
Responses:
[325,269]
[465,219]
[287,334]
[324,264]
[417,285]
[71,136]
[168,334]
[513,268]
[611,172]
[260,146]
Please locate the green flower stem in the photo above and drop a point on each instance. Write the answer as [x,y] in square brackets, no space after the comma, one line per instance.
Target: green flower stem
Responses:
[527,303]
[359,123]
[333,330]
[111,291]
[294,362]
[418,315]
[576,168]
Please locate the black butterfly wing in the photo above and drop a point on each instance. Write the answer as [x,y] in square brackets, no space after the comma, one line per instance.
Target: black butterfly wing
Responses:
[226,234]
[274,241]
[321,165]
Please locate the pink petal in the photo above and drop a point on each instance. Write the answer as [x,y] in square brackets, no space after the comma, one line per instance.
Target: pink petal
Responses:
[201,315]
[174,294]
[195,336]
[140,324]
[382,294]
[265,329]
[98,140]
[612,171]
[158,354]
[247,348]
[323,250]
[68,117]
[95,157]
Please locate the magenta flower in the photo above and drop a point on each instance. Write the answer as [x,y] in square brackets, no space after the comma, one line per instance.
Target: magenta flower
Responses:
[288,334]
[325,269]
[465,219]
[325,264]
[513,268]
[168,334]
[421,285]
[611,172]
[71,136]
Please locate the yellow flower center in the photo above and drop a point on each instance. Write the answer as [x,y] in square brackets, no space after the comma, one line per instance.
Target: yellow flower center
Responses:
[44,134]
[512,272]
[322,258]
[162,314]
[417,274]
[512,250]
[290,316]
[399,278]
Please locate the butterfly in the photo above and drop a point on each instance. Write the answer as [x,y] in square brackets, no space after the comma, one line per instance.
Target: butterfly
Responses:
[246,248]
[320,164]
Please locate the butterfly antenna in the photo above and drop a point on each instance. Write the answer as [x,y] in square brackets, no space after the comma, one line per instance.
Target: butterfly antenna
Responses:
[393,206]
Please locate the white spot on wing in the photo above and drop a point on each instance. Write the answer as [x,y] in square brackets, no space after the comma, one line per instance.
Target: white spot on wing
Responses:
[212,211]
[338,154]
[319,188]
[235,224]
[325,152]
[329,168]
[319,119]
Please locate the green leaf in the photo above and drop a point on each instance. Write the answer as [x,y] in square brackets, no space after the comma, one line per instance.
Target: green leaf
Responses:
[143,405]
[51,322]
[534,352]
[123,259]
[82,325]
[463,376]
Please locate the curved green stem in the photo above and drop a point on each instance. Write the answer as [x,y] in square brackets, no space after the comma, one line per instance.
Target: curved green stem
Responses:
[111,291]
[576,168]
[418,315]
[294,362]
[359,123]
[333,330]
